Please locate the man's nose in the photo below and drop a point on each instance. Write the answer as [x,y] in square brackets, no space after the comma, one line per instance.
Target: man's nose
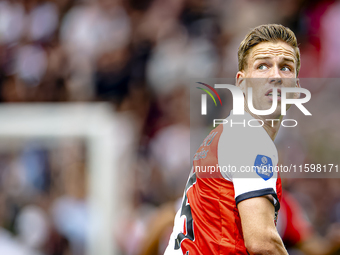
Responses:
[275,76]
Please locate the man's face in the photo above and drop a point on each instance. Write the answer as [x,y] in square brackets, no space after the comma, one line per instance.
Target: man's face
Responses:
[273,64]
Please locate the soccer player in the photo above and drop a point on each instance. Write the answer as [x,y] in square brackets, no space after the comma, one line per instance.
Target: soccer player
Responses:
[222,212]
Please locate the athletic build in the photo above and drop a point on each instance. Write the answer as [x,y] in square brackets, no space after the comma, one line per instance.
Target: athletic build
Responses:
[224,212]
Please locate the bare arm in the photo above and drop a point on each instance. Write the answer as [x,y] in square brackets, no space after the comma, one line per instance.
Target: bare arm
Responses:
[259,231]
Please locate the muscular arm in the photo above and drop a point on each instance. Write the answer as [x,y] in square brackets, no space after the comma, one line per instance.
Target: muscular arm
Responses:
[259,231]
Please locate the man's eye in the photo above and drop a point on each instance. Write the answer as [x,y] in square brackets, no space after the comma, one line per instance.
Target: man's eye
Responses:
[286,68]
[262,67]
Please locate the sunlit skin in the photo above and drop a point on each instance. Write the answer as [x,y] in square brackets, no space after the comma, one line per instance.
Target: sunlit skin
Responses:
[274,65]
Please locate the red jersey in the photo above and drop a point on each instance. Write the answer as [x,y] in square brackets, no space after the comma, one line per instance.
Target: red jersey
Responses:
[232,164]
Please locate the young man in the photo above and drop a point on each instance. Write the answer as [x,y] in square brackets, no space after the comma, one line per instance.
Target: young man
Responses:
[233,212]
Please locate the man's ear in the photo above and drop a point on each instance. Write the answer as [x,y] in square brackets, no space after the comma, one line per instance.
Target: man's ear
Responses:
[240,80]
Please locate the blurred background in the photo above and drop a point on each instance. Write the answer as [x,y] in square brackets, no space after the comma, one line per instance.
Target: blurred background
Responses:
[137,56]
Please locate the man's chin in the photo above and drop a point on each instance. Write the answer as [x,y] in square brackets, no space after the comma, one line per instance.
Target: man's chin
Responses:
[275,115]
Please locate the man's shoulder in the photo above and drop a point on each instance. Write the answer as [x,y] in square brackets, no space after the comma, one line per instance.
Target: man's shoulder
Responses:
[245,145]
[244,130]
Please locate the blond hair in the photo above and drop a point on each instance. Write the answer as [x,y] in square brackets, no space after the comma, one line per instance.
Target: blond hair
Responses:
[267,33]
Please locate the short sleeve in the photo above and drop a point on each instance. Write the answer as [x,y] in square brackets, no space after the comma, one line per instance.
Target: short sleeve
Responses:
[246,188]
[255,179]
[249,158]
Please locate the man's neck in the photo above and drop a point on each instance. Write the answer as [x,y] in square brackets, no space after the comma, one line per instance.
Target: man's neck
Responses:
[271,124]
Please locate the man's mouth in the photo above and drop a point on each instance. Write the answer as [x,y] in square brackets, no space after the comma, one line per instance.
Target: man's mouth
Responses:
[270,94]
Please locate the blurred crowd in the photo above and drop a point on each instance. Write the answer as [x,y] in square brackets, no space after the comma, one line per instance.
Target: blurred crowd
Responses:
[137,55]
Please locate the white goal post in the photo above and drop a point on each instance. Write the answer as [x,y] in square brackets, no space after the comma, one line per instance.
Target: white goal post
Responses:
[95,123]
